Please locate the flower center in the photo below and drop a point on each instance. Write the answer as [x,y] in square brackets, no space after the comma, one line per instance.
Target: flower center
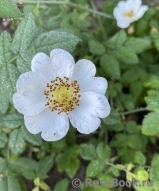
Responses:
[129,14]
[62,95]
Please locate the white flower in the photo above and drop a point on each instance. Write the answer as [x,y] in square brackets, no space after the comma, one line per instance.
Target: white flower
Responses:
[129,11]
[57,90]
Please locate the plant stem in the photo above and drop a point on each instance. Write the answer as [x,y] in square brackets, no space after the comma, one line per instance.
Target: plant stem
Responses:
[99,20]
[135,111]
[68,4]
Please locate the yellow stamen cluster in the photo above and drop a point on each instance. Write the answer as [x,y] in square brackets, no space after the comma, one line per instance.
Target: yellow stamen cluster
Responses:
[62,95]
[129,14]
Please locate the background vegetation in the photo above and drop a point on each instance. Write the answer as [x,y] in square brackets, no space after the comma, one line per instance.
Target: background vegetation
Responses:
[126,144]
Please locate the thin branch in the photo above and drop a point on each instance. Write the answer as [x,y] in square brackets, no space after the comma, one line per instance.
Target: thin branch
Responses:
[67,4]
[135,111]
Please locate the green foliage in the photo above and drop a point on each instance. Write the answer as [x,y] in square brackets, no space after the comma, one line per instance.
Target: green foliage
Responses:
[8,9]
[150,124]
[128,58]
[24,34]
[50,40]
[62,185]
[88,152]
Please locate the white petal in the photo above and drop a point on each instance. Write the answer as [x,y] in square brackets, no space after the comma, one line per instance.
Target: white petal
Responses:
[123,24]
[95,84]
[122,21]
[141,12]
[52,125]
[30,99]
[63,62]
[122,5]
[83,71]
[133,5]
[85,117]
[84,123]
[42,63]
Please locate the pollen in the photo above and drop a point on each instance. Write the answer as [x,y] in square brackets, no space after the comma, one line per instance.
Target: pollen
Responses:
[129,14]
[62,95]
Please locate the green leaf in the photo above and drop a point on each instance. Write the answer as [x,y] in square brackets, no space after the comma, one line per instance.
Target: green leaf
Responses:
[16,141]
[8,9]
[24,61]
[117,40]
[153,82]
[3,139]
[24,34]
[69,161]
[3,164]
[126,56]
[8,77]
[110,66]
[113,118]
[9,183]
[96,48]
[136,89]
[44,166]
[95,168]
[62,185]
[103,151]
[55,39]
[5,44]
[151,124]
[22,164]
[156,44]
[88,151]
[140,158]
[153,101]
[8,73]
[12,120]
[138,45]
[34,139]
[131,126]
[154,170]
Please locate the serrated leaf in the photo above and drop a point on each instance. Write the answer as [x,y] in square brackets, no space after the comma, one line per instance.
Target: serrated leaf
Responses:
[24,34]
[3,164]
[136,89]
[12,120]
[110,66]
[62,185]
[96,48]
[55,39]
[150,124]
[131,126]
[34,139]
[117,40]
[8,77]
[5,44]
[9,183]
[140,158]
[138,45]
[24,61]
[153,82]
[153,101]
[113,118]
[8,73]
[126,56]
[103,151]
[23,165]
[88,151]
[44,166]
[95,168]
[16,141]
[3,139]
[8,9]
